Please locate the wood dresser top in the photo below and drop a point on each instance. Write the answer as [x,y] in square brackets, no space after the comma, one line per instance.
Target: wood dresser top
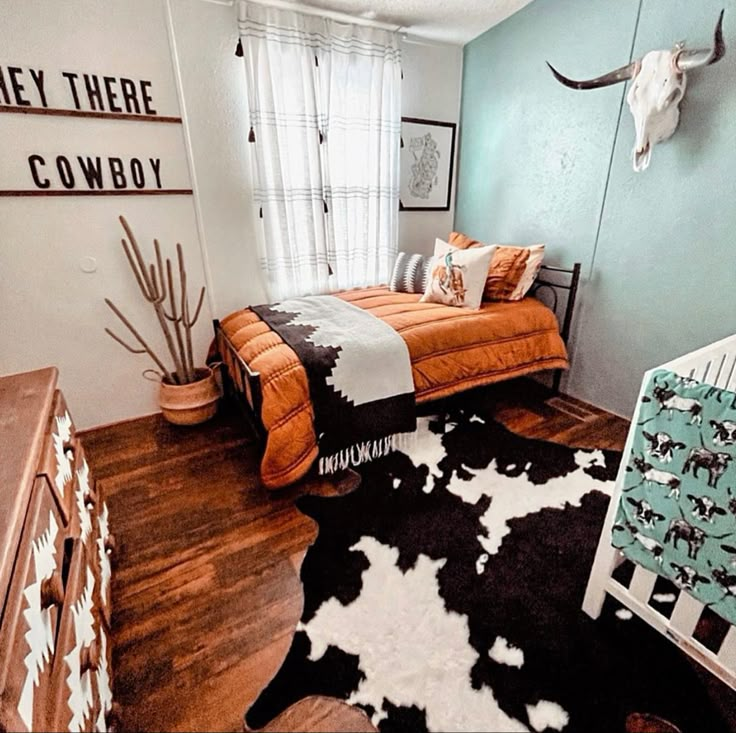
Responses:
[25,404]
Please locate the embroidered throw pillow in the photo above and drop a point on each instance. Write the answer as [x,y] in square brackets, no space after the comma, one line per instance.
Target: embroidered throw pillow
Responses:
[411,272]
[457,276]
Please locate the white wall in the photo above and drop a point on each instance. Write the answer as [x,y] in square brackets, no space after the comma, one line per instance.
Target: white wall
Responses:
[431,90]
[52,312]
[213,84]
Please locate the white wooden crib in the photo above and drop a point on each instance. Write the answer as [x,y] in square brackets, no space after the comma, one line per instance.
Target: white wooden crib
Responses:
[716,365]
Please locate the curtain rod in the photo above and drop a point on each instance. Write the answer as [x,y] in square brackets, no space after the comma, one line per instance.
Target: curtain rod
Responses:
[311,10]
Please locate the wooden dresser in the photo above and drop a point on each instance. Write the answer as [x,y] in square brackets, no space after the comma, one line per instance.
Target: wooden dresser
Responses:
[55,567]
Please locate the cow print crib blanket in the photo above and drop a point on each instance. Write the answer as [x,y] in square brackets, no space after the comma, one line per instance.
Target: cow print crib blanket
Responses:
[359,374]
[677,515]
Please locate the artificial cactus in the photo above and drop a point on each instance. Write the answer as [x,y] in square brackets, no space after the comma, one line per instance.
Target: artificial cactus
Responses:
[156,283]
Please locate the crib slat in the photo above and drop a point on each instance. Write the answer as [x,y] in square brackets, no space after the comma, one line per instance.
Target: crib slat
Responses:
[696,358]
[728,384]
[717,379]
[727,653]
[642,584]
[686,614]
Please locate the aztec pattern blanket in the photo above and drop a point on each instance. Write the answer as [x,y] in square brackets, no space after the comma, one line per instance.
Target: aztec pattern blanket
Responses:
[677,515]
[359,374]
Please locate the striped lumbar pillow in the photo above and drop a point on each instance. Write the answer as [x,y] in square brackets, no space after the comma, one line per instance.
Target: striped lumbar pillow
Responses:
[411,273]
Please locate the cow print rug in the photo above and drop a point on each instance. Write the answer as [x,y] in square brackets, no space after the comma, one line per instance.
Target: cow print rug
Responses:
[444,594]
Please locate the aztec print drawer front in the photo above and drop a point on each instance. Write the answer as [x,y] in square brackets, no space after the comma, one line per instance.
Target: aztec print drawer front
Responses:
[84,501]
[59,457]
[105,551]
[74,704]
[32,617]
[89,524]
[108,714]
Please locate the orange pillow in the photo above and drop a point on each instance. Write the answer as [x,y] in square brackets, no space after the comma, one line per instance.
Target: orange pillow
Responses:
[462,241]
[506,269]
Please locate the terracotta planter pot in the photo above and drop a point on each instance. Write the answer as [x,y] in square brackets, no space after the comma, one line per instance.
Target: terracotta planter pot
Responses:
[190,404]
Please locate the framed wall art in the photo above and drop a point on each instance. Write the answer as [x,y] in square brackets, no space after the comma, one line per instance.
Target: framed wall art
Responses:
[427,155]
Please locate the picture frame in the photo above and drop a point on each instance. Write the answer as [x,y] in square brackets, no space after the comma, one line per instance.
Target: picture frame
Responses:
[427,159]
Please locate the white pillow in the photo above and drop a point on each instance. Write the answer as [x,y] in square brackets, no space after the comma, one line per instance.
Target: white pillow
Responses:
[536,255]
[457,276]
[442,248]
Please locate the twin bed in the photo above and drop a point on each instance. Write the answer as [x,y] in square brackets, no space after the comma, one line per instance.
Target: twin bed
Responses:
[451,350]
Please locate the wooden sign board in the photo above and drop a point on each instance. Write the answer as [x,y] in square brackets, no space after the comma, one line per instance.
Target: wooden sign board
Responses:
[76,160]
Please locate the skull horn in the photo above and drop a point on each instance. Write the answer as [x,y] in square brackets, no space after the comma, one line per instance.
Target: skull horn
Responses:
[613,77]
[687,60]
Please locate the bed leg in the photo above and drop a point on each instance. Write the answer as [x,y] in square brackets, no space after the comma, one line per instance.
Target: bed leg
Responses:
[556,381]
[228,388]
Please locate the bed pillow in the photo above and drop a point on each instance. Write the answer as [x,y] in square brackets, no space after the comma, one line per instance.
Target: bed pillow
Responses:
[463,241]
[410,274]
[512,269]
[457,276]
[533,263]
[507,268]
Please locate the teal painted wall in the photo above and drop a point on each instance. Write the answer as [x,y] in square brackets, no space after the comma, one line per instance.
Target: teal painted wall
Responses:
[541,163]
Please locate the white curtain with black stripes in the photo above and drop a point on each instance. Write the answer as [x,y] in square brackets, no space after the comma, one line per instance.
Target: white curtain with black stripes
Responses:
[325,107]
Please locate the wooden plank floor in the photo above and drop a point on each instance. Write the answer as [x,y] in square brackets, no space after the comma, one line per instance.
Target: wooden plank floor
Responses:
[206,591]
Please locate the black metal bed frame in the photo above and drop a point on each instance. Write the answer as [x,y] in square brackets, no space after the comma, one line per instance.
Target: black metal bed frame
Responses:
[245,385]
[572,291]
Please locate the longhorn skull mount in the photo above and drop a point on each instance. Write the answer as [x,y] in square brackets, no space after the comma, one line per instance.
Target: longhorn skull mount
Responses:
[659,82]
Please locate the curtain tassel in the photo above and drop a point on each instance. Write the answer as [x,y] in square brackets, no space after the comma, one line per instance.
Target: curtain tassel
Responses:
[402,74]
[260,213]
[252,135]
[402,141]
[239,49]
[329,269]
[316,61]
[327,211]
[321,137]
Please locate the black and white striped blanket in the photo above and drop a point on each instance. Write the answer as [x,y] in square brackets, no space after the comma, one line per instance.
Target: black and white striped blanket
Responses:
[359,375]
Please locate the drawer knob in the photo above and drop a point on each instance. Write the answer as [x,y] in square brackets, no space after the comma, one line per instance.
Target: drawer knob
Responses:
[71,455]
[89,658]
[52,591]
[111,546]
[90,498]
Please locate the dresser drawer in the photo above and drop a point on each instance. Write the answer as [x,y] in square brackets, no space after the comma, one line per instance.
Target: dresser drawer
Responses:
[59,459]
[32,615]
[106,549]
[82,524]
[108,716]
[73,703]
[89,523]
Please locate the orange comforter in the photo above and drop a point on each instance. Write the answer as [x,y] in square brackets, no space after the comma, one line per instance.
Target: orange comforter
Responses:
[451,349]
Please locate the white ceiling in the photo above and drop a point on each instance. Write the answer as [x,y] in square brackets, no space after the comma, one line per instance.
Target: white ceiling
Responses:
[451,21]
